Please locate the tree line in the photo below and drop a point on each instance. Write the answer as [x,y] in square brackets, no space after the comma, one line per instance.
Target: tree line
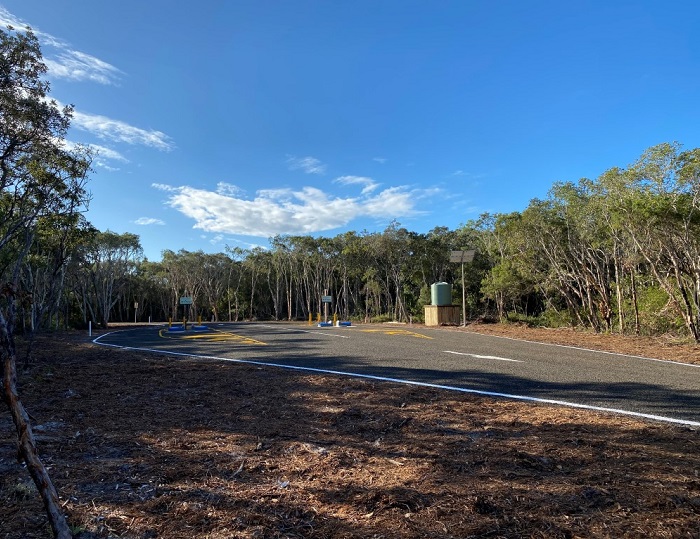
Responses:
[619,253]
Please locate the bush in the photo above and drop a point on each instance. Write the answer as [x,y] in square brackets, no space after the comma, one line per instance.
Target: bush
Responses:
[656,315]
[551,318]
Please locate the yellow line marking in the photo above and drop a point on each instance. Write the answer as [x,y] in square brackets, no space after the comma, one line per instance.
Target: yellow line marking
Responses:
[404,332]
[213,335]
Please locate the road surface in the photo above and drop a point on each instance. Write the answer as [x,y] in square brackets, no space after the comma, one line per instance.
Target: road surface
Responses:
[458,359]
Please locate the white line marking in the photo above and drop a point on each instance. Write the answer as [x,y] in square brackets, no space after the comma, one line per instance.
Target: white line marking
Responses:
[676,363]
[413,383]
[484,357]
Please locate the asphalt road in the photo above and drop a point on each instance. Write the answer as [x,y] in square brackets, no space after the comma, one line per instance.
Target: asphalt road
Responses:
[450,358]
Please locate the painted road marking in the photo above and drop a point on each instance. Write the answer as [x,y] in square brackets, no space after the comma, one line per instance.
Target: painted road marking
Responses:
[667,361]
[297,330]
[404,332]
[484,357]
[214,336]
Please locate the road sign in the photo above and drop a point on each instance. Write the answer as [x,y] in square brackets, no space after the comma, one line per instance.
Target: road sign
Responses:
[327,299]
[462,256]
[185,300]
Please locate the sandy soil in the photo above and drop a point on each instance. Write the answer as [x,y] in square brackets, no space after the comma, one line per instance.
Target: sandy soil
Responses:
[142,446]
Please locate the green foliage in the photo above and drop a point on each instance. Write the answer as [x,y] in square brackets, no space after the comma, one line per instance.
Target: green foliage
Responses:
[424,298]
[551,318]
[42,183]
[657,314]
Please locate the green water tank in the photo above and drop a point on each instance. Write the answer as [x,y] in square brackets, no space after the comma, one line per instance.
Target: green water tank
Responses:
[441,294]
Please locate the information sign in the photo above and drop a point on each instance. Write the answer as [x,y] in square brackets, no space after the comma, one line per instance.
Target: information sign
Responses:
[462,256]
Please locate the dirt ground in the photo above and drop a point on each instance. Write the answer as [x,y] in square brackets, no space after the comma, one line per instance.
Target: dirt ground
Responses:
[145,446]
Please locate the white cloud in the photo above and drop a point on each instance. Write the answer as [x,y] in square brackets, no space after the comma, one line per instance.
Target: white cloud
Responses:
[368,184]
[8,19]
[310,165]
[393,201]
[104,155]
[78,66]
[380,160]
[102,152]
[67,63]
[164,187]
[467,175]
[118,131]
[286,211]
[148,221]
[227,189]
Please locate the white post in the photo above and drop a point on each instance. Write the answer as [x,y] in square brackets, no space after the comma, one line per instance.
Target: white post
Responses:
[90,328]
[464,300]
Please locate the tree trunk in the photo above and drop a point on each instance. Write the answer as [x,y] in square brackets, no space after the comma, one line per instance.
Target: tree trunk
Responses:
[635,303]
[618,293]
[25,436]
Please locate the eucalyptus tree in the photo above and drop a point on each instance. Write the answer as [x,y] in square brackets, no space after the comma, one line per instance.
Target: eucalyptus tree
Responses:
[545,236]
[152,291]
[351,261]
[235,276]
[176,277]
[433,253]
[613,190]
[57,239]
[284,275]
[256,266]
[589,248]
[108,262]
[510,266]
[39,177]
[214,271]
[591,243]
[196,275]
[663,220]
[314,270]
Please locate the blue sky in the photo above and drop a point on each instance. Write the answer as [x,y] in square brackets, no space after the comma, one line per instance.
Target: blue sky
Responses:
[225,123]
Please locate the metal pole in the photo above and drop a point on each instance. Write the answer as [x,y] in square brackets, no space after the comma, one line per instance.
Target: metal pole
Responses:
[464,300]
